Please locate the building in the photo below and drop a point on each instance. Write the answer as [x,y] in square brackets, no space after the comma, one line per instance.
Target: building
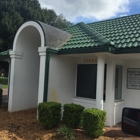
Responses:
[95,65]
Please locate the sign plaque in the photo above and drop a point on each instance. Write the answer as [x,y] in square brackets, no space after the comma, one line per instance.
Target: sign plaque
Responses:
[133,78]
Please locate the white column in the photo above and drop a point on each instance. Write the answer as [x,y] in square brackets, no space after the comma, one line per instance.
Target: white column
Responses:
[42,53]
[15,55]
[100,82]
[110,91]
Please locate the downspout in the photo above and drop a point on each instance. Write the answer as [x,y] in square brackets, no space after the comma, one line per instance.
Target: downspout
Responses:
[46,76]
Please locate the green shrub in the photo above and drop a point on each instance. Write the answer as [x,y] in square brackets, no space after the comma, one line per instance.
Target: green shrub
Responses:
[49,113]
[4,80]
[81,121]
[72,114]
[94,122]
[66,132]
[1,97]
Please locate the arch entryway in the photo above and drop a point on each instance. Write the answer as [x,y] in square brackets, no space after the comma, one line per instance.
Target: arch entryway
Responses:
[25,66]
[28,59]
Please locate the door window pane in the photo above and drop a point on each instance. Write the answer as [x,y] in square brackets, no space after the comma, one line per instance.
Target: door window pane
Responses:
[118,83]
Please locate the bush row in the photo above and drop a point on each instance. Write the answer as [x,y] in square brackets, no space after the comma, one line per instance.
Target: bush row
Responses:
[4,80]
[93,120]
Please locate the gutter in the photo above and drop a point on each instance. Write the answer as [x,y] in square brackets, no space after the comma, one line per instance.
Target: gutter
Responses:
[87,50]
[128,50]
[110,49]
[51,51]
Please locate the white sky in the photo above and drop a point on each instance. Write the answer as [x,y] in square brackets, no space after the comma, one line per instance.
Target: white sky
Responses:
[97,9]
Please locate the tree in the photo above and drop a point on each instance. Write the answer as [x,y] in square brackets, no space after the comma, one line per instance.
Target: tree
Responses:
[61,22]
[51,17]
[14,12]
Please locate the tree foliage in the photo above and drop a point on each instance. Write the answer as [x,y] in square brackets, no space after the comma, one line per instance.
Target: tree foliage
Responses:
[14,12]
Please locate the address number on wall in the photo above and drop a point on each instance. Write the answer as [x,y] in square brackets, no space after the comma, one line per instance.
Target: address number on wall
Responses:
[90,60]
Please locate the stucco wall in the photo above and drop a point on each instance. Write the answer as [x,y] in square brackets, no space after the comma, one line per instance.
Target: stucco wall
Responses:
[61,79]
[131,96]
[118,107]
[87,103]
[62,83]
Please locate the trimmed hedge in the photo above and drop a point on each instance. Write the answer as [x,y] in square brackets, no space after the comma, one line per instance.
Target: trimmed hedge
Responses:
[4,80]
[49,114]
[94,122]
[1,97]
[72,114]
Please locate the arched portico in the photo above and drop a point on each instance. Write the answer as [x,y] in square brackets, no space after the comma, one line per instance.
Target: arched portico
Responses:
[25,61]
[28,59]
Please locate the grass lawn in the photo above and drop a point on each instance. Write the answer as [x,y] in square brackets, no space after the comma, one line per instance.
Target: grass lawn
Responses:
[4,86]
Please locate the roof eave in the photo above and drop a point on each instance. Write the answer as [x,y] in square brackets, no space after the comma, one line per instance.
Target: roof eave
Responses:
[128,50]
[109,49]
[87,50]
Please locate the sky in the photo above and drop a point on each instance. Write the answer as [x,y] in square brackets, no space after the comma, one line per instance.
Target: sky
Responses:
[88,11]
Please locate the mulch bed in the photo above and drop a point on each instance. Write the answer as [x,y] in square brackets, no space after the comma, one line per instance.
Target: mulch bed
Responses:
[23,125]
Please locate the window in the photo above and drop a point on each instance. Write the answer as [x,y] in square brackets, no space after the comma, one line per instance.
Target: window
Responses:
[86,80]
[118,83]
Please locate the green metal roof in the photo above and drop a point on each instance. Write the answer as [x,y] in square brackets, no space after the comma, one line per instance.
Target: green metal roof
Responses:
[119,33]
[123,32]
[4,55]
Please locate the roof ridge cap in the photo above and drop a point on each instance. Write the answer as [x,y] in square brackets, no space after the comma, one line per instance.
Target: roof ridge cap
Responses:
[111,19]
[95,34]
